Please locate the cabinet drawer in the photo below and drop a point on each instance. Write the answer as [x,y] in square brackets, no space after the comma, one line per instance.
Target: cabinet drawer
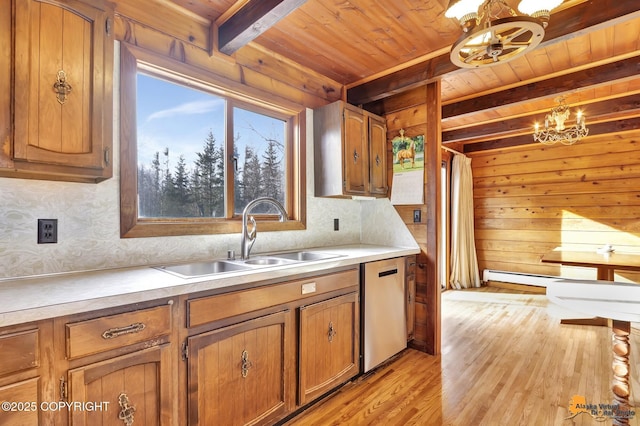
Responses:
[115,331]
[19,351]
[213,308]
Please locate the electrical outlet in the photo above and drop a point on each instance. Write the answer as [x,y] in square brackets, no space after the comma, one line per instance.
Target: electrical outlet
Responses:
[336,224]
[47,231]
[417,216]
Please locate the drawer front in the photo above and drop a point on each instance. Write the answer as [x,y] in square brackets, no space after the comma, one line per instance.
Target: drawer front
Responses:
[115,331]
[212,308]
[19,351]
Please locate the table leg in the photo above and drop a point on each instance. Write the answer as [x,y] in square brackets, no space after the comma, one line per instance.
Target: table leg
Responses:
[620,384]
[604,273]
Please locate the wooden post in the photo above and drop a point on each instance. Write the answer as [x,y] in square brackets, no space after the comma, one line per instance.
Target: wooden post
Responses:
[432,166]
[620,383]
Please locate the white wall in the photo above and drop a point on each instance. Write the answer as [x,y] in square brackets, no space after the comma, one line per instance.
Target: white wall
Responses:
[89,230]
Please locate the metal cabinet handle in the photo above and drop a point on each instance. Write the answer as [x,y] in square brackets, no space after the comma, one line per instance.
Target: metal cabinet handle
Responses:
[246,364]
[127,411]
[355,156]
[120,331]
[332,332]
[61,87]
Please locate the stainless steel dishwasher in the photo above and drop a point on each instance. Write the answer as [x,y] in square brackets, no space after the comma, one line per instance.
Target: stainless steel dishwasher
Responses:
[385,326]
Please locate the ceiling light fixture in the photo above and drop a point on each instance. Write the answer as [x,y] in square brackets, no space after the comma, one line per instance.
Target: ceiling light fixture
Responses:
[559,132]
[494,33]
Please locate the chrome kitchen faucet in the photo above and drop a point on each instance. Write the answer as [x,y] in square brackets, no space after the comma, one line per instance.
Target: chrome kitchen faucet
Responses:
[249,237]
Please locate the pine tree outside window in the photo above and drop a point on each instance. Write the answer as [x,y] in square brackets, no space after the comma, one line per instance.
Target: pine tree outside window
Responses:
[202,155]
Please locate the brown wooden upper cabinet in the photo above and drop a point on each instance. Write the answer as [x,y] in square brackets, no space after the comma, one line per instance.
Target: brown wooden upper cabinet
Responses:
[350,152]
[63,104]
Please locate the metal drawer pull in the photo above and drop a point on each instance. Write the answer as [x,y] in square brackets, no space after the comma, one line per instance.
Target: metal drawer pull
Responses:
[332,332]
[127,411]
[246,364]
[121,331]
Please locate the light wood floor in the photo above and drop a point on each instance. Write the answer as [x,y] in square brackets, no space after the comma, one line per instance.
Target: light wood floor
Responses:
[506,360]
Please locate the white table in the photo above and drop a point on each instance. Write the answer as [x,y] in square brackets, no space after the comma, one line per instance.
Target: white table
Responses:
[619,302]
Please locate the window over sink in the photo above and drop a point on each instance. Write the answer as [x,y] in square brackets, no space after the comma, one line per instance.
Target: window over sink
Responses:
[193,153]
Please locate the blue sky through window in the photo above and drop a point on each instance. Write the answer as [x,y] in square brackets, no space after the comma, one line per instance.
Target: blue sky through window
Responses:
[180,118]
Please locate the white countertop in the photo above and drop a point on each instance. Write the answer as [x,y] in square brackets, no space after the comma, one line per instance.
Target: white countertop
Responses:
[35,298]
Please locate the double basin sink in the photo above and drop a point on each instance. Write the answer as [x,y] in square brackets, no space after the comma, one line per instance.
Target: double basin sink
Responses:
[214,267]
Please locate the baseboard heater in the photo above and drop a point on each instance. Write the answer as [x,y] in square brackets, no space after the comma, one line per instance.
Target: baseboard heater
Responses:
[517,278]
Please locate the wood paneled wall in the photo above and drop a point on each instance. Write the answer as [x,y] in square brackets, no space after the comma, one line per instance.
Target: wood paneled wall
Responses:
[410,114]
[532,199]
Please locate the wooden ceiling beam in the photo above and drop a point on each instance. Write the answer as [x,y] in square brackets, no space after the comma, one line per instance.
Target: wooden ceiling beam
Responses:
[565,23]
[568,83]
[611,109]
[616,126]
[253,19]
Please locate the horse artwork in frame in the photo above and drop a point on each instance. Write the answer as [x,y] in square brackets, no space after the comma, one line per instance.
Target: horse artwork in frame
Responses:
[405,149]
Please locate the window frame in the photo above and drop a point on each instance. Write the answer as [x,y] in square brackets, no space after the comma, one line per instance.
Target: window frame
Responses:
[133,59]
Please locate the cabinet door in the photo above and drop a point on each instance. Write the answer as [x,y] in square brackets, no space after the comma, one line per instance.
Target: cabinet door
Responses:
[22,403]
[378,156]
[20,356]
[63,103]
[237,374]
[136,386]
[329,345]
[356,153]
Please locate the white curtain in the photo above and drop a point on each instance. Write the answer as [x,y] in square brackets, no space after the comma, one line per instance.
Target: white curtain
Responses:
[464,262]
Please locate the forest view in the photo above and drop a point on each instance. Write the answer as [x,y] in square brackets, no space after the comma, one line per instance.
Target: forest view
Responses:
[180,181]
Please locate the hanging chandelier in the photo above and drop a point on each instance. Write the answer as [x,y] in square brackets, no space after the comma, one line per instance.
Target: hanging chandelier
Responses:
[558,132]
[494,33]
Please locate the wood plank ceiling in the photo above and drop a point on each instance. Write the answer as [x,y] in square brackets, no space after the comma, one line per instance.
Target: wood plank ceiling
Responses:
[382,50]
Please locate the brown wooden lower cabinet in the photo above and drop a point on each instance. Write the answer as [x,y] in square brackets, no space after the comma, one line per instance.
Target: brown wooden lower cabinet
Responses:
[23,374]
[136,386]
[238,375]
[329,345]
[234,358]
[20,403]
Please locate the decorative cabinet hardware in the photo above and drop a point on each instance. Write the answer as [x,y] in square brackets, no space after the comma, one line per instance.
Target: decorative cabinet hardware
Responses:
[61,87]
[377,160]
[355,156]
[127,411]
[185,351]
[121,331]
[106,156]
[63,389]
[246,364]
[332,332]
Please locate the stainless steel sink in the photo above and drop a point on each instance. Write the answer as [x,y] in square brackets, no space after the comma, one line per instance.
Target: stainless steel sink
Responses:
[305,256]
[191,270]
[214,267]
[266,261]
